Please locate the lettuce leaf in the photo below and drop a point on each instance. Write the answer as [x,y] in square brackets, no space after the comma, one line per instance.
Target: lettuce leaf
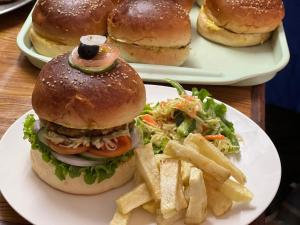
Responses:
[91,174]
[212,109]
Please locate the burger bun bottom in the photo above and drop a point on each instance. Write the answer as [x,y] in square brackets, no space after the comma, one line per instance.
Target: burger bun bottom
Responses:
[47,47]
[46,171]
[212,32]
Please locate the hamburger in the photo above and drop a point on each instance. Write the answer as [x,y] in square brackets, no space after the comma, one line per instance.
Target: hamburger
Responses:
[83,139]
[57,25]
[239,23]
[155,32]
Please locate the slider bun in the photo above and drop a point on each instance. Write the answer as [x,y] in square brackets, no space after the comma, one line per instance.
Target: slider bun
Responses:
[211,31]
[152,55]
[65,21]
[246,16]
[71,98]
[158,23]
[47,47]
[46,171]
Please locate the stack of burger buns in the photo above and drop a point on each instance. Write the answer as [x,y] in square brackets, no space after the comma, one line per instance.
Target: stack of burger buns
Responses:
[239,23]
[152,31]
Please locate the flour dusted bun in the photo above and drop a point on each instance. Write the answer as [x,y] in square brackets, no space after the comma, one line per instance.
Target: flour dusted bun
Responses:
[46,171]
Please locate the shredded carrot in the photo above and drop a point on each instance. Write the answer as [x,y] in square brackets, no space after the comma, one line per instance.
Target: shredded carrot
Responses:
[149,119]
[214,137]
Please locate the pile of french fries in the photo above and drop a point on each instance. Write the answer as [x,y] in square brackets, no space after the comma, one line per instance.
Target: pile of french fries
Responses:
[183,183]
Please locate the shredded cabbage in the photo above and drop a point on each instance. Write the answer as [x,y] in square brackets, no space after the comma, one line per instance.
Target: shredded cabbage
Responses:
[176,118]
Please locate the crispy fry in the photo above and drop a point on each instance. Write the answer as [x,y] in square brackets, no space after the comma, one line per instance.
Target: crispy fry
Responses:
[150,207]
[137,178]
[217,202]
[148,169]
[236,192]
[181,201]
[231,189]
[187,193]
[188,153]
[120,219]
[207,149]
[197,209]
[169,174]
[170,221]
[160,157]
[133,199]
[185,171]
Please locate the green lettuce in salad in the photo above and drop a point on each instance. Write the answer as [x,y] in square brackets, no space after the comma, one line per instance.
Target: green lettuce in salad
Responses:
[175,119]
[91,174]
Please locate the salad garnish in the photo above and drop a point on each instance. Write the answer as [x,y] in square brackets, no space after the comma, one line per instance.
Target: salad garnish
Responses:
[174,119]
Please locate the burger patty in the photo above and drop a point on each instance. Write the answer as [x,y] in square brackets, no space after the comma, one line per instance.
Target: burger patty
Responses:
[75,133]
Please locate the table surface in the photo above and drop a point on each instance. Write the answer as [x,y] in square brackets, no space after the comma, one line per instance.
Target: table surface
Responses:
[17,77]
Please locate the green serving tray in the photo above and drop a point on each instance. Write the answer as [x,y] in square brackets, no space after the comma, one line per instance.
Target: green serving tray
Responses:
[208,63]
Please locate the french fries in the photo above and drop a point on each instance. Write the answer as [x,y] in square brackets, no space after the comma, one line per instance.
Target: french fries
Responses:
[197,208]
[181,201]
[133,199]
[137,178]
[169,178]
[187,153]
[217,202]
[182,183]
[161,157]
[197,141]
[236,191]
[150,207]
[231,189]
[185,171]
[148,169]
[171,220]
[120,219]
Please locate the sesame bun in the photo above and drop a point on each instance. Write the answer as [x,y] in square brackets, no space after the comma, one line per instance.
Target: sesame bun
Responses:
[71,98]
[149,25]
[46,171]
[211,31]
[143,54]
[246,16]
[186,4]
[64,22]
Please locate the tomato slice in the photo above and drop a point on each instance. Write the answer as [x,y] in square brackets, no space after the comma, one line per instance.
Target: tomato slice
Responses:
[66,150]
[124,145]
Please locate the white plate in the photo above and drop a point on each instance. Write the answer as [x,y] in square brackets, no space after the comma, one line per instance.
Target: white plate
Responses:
[41,204]
[10,6]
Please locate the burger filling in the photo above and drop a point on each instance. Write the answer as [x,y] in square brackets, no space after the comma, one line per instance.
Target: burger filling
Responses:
[95,154]
[94,140]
